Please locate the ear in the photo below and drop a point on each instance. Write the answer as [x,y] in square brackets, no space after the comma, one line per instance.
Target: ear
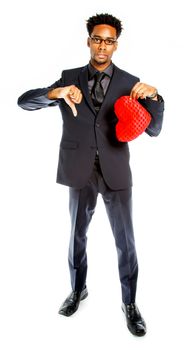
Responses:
[88,42]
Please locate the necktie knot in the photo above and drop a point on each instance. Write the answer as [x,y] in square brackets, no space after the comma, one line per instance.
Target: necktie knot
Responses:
[99,76]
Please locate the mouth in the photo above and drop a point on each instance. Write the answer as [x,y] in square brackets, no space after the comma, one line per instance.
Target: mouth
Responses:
[101,56]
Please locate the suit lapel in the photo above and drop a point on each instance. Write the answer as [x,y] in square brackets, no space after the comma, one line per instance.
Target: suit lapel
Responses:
[112,90]
[83,78]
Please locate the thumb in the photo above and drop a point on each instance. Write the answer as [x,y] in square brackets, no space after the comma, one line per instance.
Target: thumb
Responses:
[73,108]
[71,105]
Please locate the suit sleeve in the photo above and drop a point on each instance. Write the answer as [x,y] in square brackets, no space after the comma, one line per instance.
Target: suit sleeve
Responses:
[37,98]
[156,109]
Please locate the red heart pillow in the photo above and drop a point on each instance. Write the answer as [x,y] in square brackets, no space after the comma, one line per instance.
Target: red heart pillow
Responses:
[133,118]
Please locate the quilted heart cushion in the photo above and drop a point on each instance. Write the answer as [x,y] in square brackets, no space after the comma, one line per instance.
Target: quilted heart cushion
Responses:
[133,118]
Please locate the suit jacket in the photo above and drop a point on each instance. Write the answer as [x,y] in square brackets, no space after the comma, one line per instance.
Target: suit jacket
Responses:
[86,133]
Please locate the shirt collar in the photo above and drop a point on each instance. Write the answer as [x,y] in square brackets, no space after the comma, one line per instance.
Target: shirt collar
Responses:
[92,71]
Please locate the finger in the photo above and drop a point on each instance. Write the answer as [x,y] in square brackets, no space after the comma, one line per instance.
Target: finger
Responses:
[73,108]
[143,96]
[138,90]
[72,93]
[74,90]
[71,105]
[73,96]
[76,93]
[77,97]
[138,93]
[134,89]
[80,98]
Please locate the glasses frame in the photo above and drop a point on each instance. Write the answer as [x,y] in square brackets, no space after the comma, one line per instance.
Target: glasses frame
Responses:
[113,41]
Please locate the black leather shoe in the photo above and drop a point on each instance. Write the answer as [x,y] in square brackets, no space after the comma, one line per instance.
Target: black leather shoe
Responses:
[71,303]
[135,322]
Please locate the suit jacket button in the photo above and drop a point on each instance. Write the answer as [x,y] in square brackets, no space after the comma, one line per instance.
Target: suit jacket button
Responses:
[97,125]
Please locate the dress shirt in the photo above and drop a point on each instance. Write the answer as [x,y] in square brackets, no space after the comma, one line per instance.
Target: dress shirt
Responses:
[105,81]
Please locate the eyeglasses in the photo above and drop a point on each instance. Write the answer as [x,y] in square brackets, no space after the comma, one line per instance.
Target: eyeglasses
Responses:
[107,41]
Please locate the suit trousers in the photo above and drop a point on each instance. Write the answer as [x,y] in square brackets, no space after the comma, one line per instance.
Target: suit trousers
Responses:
[119,210]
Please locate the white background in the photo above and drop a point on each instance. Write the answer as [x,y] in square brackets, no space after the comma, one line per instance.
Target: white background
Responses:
[38,40]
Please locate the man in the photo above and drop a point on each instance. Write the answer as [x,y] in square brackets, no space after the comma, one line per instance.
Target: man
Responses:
[93,161]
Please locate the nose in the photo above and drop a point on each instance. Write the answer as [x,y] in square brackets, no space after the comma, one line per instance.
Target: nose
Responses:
[102,45]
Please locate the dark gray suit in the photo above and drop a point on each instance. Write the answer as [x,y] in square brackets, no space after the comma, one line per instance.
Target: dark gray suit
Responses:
[111,175]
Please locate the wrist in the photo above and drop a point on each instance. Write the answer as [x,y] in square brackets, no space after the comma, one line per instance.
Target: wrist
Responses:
[51,95]
[55,94]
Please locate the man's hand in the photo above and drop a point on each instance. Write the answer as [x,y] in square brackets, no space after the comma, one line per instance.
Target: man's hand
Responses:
[141,90]
[71,94]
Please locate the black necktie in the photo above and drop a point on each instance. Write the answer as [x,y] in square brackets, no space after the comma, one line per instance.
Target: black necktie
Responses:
[97,91]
